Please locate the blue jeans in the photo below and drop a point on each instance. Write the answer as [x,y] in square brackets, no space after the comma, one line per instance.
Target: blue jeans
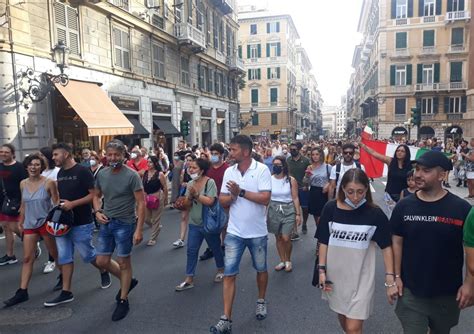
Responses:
[79,237]
[115,234]
[235,247]
[196,236]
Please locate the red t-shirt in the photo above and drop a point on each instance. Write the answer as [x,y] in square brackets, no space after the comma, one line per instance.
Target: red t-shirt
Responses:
[217,174]
[141,165]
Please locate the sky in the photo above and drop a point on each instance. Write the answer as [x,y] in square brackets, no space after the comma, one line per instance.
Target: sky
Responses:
[328,32]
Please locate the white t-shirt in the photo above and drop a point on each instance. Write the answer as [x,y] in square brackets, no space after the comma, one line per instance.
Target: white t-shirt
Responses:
[248,219]
[344,168]
[51,174]
[277,151]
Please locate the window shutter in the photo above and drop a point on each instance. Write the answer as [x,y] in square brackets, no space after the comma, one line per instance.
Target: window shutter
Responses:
[418,103]
[456,72]
[457,36]
[273,95]
[278,72]
[438,7]
[428,38]
[446,104]
[255,120]
[259,50]
[240,51]
[268,28]
[199,77]
[224,85]
[436,72]
[450,5]
[392,75]
[419,73]
[421,8]
[118,43]
[401,40]
[249,74]
[268,50]
[394,9]
[259,74]
[464,104]
[278,49]
[73,29]
[461,5]
[60,19]
[409,74]
[248,51]
[216,83]
[410,8]
[435,105]
[268,72]
[278,27]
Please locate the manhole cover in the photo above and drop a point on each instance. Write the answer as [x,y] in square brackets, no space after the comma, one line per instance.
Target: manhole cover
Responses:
[31,316]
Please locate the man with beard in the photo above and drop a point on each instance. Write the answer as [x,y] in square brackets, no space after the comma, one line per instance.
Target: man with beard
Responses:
[337,171]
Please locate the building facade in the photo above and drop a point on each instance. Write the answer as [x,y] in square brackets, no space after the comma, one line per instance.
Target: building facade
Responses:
[158,61]
[414,53]
[341,118]
[329,117]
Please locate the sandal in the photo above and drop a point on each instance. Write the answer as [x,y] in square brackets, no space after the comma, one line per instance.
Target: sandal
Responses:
[288,266]
[280,266]
[184,286]
[219,277]
[151,243]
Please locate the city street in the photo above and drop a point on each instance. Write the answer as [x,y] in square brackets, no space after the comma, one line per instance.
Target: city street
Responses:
[294,306]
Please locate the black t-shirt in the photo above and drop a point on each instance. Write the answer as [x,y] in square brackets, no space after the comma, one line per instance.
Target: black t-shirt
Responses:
[397,179]
[12,176]
[74,183]
[432,232]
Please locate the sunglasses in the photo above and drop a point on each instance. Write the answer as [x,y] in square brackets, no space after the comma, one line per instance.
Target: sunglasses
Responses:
[348,152]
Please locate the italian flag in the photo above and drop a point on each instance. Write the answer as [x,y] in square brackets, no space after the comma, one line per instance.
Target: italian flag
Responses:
[375,168]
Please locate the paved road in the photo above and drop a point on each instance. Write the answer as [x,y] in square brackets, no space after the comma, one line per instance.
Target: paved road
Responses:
[294,305]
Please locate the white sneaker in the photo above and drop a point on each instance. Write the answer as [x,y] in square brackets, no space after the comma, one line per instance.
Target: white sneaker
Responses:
[178,243]
[49,267]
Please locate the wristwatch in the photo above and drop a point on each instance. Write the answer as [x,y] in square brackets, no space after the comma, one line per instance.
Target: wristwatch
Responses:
[242,193]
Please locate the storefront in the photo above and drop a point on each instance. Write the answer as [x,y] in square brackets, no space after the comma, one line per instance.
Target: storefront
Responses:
[454,132]
[221,125]
[206,126]
[426,132]
[399,132]
[163,128]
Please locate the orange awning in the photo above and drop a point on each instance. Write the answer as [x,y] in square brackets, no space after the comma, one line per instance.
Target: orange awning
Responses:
[96,109]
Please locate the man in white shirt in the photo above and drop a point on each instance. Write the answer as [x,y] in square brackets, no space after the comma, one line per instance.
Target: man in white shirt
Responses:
[277,149]
[246,191]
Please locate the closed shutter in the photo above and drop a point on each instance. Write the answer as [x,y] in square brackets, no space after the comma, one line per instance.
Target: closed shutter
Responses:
[457,36]
[435,105]
[274,119]
[278,27]
[67,26]
[118,44]
[446,104]
[248,75]
[461,5]
[248,51]
[428,38]
[464,104]
[254,96]
[268,73]
[409,74]
[278,49]
[401,40]
[216,83]
[438,7]
[255,120]
[268,28]
[450,5]
[436,72]
[259,51]
[421,7]
[224,85]
[278,72]
[210,80]
[259,74]
[240,51]
[268,50]
[419,73]
[392,75]
[394,9]
[410,8]
[456,72]
[199,77]
[273,95]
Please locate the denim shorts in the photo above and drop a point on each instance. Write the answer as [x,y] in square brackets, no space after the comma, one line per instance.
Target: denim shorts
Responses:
[79,237]
[115,234]
[235,247]
[303,196]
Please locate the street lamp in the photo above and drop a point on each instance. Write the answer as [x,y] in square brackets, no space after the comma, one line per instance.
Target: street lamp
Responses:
[61,55]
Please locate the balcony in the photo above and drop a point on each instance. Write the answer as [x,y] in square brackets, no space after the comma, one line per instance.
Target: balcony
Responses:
[225,6]
[401,21]
[429,19]
[435,87]
[457,85]
[402,89]
[235,64]
[457,16]
[400,53]
[428,50]
[190,36]
[457,48]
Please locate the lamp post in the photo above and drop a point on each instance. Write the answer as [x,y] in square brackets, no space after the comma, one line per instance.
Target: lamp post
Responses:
[61,55]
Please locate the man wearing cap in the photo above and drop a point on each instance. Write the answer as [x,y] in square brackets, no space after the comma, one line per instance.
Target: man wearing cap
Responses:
[428,251]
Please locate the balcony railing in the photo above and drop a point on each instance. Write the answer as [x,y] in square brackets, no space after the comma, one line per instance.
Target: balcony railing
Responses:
[402,89]
[428,50]
[456,48]
[428,19]
[457,85]
[441,86]
[455,16]
[402,53]
[235,63]
[188,34]
[427,87]
[401,22]
[124,4]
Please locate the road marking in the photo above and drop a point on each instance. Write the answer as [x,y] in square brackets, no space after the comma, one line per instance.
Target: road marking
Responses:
[372,188]
[384,183]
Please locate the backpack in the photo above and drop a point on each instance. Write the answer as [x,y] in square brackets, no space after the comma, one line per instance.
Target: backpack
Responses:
[338,169]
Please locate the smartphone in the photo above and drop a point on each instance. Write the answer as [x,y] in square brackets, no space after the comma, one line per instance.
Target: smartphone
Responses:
[56,216]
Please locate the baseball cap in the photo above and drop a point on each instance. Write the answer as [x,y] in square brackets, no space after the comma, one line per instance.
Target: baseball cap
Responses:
[432,159]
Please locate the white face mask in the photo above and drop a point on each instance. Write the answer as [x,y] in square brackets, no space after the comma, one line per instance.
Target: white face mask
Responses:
[194,176]
[133,155]
[92,163]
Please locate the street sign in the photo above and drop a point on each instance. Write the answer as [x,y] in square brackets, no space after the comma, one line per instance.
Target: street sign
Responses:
[264,134]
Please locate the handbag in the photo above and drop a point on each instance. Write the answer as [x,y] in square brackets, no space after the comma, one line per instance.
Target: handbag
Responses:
[152,202]
[10,206]
[214,217]
[180,203]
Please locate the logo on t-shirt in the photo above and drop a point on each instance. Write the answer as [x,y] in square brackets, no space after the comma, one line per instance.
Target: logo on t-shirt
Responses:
[435,219]
[351,236]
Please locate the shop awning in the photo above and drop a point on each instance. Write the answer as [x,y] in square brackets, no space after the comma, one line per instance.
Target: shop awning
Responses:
[138,129]
[96,109]
[167,127]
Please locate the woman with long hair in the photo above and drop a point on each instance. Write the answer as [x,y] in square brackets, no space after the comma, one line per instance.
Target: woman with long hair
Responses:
[283,211]
[156,190]
[398,167]
[39,194]
[349,229]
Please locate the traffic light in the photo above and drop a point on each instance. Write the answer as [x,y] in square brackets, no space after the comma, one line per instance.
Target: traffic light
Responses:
[416,116]
[185,127]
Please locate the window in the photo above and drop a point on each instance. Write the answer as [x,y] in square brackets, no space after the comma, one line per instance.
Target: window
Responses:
[457,36]
[178,12]
[273,73]
[189,7]
[428,74]
[401,40]
[255,119]
[273,96]
[158,61]
[400,106]
[122,48]
[274,119]
[401,9]
[254,51]
[427,106]
[456,71]
[185,71]
[210,81]
[218,83]
[454,105]
[229,41]
[202,77]
[253,29]
[274,49]
[429,8]
[428,38]
[254,97]
[455,5]
[400,75]
[273,27]
[67,26]
[215,30]
[254,74]
[120,4]
[158,21]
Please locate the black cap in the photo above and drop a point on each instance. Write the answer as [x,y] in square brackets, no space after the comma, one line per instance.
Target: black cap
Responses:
[432,159]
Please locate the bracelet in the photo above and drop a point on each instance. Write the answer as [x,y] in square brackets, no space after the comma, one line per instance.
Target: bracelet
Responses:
[322,266]
[390,274]
[397,276]
[390,285]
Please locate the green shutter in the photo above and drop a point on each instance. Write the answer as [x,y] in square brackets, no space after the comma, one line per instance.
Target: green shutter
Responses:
[457,36]
[410,8]
[394,9]
[278,27]
[421,7]
[259,74]
[255,120]
[268,49]
[278,49]
[268,72]
[409,74]
[254,95]
[273,95]
[435,105]
[278,72]
[392,75]
[456,72]
[463,104]
[248,74]
[259,51]
[438,7]
[419,73]
[450,5]
[401,40]
[436,72]
[240,51]
[274,119]
[428,38]
[248,51]
[446,104]
[461,5]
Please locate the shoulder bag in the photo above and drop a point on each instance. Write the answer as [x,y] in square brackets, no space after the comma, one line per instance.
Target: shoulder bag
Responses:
[10,206]
[214,217]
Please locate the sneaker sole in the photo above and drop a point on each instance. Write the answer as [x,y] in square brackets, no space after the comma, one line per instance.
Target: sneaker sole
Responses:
[106,286]
[8,262]
[46,304]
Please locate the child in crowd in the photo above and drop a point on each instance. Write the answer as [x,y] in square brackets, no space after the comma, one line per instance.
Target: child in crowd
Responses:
[411,185]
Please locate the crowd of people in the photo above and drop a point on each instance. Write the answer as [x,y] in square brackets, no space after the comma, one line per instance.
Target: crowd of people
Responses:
[263,187]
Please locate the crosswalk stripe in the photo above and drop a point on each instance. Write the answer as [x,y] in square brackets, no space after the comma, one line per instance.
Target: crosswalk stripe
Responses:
[372,188]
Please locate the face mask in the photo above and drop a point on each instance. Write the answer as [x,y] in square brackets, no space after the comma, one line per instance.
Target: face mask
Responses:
[294,153]
[176,158]
[194,176]
[92,163]
[285,152]
[116,164]
[277,169]
[215,159]
[355,206]
[133,155]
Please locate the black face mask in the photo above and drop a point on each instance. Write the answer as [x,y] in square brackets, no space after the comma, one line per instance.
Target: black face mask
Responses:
[277,169]
[294,153]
